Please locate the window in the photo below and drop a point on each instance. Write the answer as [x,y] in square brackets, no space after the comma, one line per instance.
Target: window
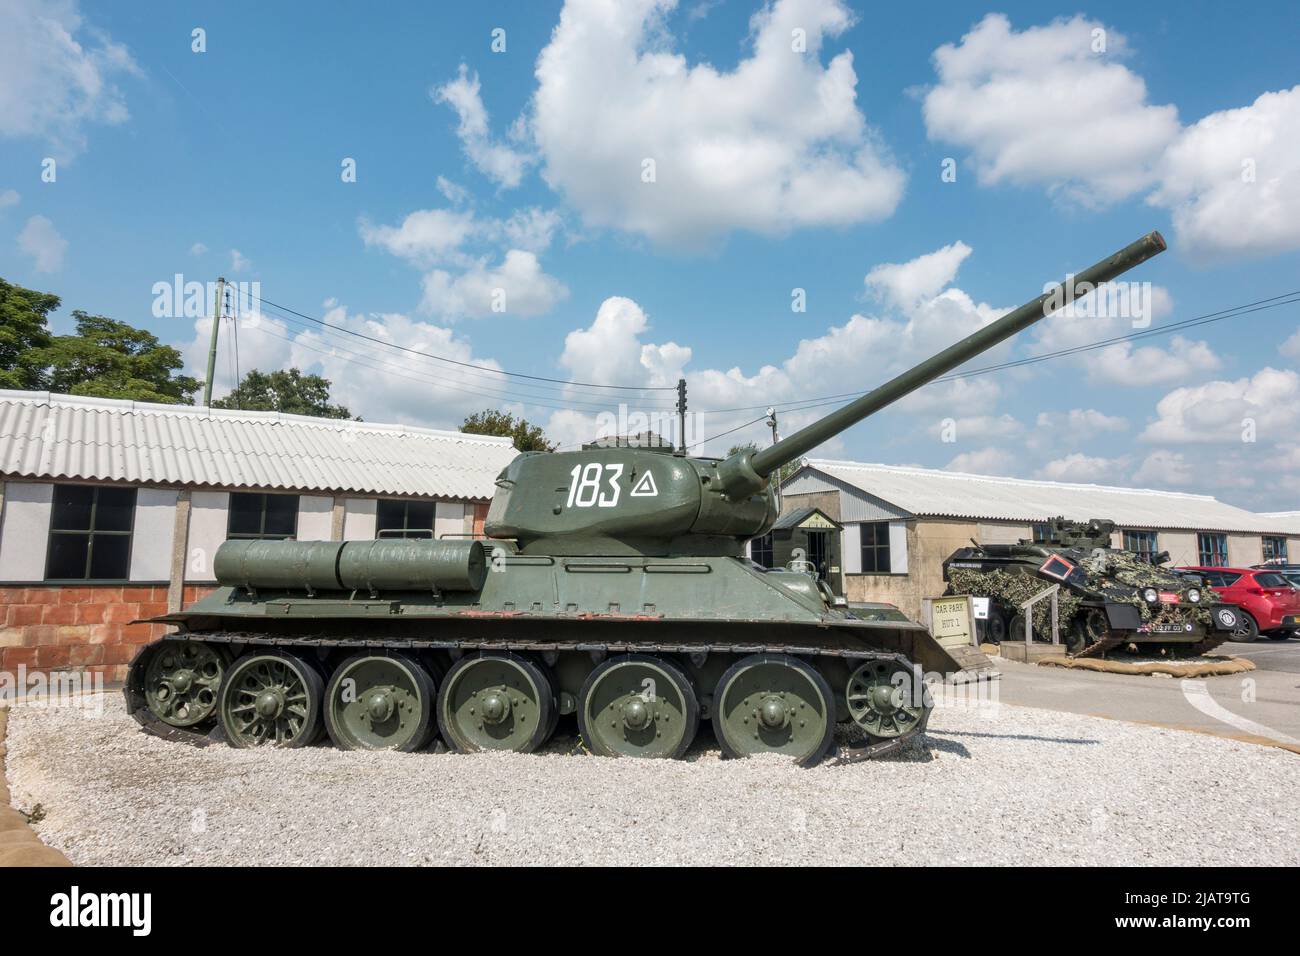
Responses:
[90,533]
[1212,550]
[1275,548]
[875,547]
[262,516]
[404,519]
[760,550]
[1141,543]
[1041,532]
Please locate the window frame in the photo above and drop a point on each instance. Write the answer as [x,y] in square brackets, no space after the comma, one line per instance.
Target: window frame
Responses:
[262,534]
[1279,548]
[1206,556]
[1145,536]
[874,548]
[90,532]
[406,528]
[1040,532]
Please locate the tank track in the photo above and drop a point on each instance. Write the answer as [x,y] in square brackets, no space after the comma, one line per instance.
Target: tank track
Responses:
[1109,642]
[139,710]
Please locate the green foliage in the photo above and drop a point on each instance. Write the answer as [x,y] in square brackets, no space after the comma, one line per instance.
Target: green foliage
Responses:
[110,359]
[492,422]
[287,391]
[23,328]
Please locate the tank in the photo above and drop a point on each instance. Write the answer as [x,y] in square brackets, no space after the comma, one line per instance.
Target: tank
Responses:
[613,587]
[1109,598]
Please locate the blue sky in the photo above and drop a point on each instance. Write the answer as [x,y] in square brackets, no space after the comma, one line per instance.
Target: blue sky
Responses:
[807,170]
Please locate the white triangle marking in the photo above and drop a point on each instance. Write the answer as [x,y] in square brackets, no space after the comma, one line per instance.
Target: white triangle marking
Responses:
[645,487]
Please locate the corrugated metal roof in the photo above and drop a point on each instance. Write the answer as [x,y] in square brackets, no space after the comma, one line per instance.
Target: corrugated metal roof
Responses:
[929,492]
[69,437]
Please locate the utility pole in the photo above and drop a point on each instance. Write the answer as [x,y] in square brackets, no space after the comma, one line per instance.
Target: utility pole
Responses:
[771,423]
[212,349]
[681,415]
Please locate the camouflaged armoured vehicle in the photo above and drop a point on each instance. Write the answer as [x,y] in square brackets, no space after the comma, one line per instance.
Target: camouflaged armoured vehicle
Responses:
[1108,598]
[614,586]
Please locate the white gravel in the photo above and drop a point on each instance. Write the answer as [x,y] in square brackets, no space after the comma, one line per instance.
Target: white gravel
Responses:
[1004,785]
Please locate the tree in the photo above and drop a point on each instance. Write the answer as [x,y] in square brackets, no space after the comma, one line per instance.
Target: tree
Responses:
[110,359]
[492,422]
[23,329]
[785,471]
[287,391]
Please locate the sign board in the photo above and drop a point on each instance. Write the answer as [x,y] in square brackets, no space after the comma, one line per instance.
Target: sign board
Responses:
[951,622]
[980,605]
[817,520]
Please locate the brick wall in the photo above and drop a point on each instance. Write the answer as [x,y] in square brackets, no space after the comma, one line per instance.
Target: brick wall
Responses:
[80,628]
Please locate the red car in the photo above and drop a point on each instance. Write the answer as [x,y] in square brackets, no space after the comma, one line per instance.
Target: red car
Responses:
[1271,604]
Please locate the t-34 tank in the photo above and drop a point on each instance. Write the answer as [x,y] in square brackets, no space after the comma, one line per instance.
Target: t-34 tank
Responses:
[1108,597]
[614,586]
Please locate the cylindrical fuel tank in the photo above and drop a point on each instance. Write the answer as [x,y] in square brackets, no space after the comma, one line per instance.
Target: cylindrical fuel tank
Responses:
[413,565]
[279,564]
[384,565]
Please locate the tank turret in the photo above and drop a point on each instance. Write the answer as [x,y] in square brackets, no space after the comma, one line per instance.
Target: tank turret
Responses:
[654,501]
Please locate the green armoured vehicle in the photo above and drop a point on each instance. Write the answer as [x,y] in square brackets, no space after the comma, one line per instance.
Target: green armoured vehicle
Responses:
[1107,598]
[614,586]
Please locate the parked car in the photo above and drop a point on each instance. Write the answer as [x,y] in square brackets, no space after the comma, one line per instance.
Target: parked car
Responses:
[1269,601]
[1289,571]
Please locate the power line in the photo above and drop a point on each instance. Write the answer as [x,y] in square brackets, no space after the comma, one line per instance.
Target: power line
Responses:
[705,441]
[471,365]
[1260,305]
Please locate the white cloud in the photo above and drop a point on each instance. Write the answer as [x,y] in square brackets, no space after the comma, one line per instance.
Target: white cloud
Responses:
[56,75]
[455,193]
[1081,422]
[516,286]
[1039,106]
[907,284]
[776,144]
[500,163]
[980,427]
[985,461]
[1265,406]
[198,249]
[425,236]
[1083,468]
[40,240]
[1232,180]
[1127,364]
[531,229]
[1291,347]
[1165,469]
[239,262]
[9,198]
[263,344]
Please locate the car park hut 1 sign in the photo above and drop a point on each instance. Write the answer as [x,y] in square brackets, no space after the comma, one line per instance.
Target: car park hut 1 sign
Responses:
[952,621]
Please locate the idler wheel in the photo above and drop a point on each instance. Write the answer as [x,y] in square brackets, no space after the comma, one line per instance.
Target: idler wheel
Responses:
[380,701]
[271,697]
[638,705]
[181,681]
[774,703]
[495,701]
[882,698]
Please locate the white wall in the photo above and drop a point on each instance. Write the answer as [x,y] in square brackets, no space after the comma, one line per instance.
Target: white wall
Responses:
[359,519]
[152,534]
[208,522]
[25,533]
[448,519]
[851,548]
[315,514]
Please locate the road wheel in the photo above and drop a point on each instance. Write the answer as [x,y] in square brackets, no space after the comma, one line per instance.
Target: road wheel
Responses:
[995,628]
[495,701]
[1016,628]
[379,701]
[182,680]
[1248,631]
[774,703]
[883,698]
[271,697]
[637,705]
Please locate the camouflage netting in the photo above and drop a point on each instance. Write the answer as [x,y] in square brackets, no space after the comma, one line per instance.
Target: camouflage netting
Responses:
[1014,590]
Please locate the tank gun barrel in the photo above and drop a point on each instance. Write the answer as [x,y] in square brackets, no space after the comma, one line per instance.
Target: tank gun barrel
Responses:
[738,473]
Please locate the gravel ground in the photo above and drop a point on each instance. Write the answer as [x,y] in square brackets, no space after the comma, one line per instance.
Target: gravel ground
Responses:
[990,786]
